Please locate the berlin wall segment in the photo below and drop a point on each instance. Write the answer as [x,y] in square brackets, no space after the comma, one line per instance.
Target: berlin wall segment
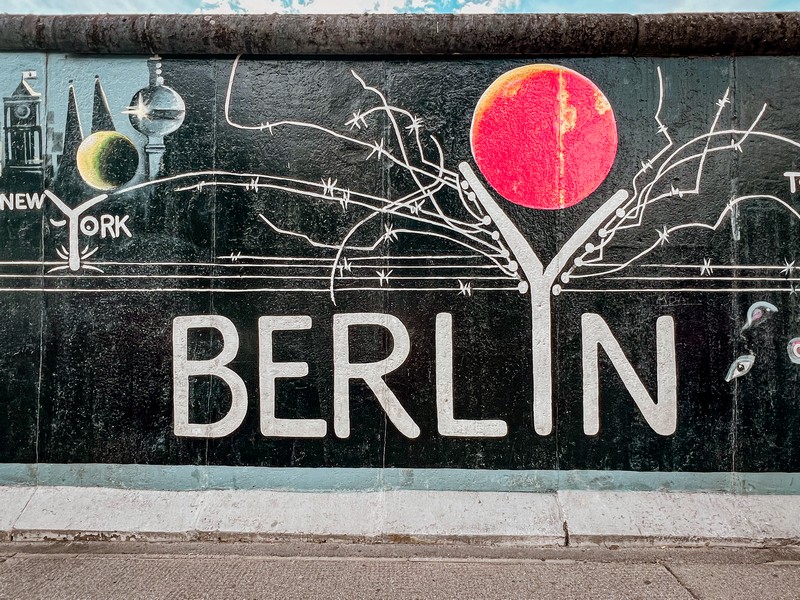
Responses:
[487,263]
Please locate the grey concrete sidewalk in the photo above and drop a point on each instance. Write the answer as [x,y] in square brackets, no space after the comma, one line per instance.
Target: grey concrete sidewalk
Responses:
[89,570]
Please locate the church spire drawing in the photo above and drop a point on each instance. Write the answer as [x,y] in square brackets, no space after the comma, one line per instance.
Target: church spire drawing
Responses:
[101,113]
[67,179]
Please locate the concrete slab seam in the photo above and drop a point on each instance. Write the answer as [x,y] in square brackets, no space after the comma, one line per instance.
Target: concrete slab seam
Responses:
[562,517]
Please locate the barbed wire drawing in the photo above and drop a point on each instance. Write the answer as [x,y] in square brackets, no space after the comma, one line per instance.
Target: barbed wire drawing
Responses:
[485,265]
[591,264]
[419,206]
[441,204]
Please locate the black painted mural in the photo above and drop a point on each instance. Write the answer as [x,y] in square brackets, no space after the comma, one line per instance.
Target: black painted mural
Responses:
[498,264]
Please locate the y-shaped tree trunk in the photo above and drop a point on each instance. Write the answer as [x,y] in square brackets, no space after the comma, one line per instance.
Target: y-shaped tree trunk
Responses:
[541,280]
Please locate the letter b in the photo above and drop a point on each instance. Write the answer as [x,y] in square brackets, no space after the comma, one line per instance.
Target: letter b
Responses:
[183,368]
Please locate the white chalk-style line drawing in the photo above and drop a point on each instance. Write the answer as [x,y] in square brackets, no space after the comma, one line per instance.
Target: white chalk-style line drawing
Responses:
[740,367]
[483,231]
[590,263]
[758,313]
[474,232]
[418,213]
[419,206]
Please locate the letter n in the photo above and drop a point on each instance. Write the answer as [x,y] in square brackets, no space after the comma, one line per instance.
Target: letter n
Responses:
[662,416]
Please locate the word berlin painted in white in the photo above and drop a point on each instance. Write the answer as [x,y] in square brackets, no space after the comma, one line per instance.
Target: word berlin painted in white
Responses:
[660,415]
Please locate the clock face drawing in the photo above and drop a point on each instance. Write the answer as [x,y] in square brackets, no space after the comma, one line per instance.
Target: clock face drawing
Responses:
[22,111]
[22,115]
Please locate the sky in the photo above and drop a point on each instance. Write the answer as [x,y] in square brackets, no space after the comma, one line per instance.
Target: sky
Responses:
[390,6]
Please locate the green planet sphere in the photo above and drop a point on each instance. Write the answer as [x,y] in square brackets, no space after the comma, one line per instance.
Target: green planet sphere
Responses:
[107,159]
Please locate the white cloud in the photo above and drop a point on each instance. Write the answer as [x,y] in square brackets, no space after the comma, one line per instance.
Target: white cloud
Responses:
[350,6]
[315,6]
[716,6]
[640,6]
[59,7]
[486,6]
[216,8]
[232,7]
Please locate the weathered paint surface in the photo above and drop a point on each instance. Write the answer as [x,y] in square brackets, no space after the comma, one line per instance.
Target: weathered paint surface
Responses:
[390,263]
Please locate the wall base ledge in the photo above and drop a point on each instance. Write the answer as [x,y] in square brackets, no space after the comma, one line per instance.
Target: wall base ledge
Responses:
[569,517]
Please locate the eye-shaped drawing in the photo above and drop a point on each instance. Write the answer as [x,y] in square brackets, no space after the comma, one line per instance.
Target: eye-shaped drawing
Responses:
[793,349]
[758,313]
[740,367]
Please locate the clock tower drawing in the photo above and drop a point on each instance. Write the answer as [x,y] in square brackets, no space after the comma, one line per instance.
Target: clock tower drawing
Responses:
[23,154]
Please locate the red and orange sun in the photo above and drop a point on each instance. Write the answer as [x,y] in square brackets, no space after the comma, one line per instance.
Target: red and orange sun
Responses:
[544,136]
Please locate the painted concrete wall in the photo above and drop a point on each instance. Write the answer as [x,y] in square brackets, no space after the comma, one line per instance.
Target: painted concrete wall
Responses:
[343,273]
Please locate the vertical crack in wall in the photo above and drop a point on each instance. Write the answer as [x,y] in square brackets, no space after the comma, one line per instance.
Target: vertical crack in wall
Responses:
[42,305]
[387,190]
[561,515]
[387,187]
[213,245]
[735,166]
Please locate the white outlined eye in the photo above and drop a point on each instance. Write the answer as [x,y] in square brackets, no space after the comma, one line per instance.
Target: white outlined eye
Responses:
[740,367]
[758,313]
[794,350]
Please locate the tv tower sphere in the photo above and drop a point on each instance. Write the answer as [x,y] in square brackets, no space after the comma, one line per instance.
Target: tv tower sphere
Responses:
[157,110]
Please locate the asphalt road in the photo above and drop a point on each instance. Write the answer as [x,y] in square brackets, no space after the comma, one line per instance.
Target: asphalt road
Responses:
[287,570]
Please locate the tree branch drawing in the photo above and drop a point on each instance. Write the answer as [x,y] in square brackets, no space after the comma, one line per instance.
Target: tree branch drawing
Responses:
[658,173]
[418,212]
